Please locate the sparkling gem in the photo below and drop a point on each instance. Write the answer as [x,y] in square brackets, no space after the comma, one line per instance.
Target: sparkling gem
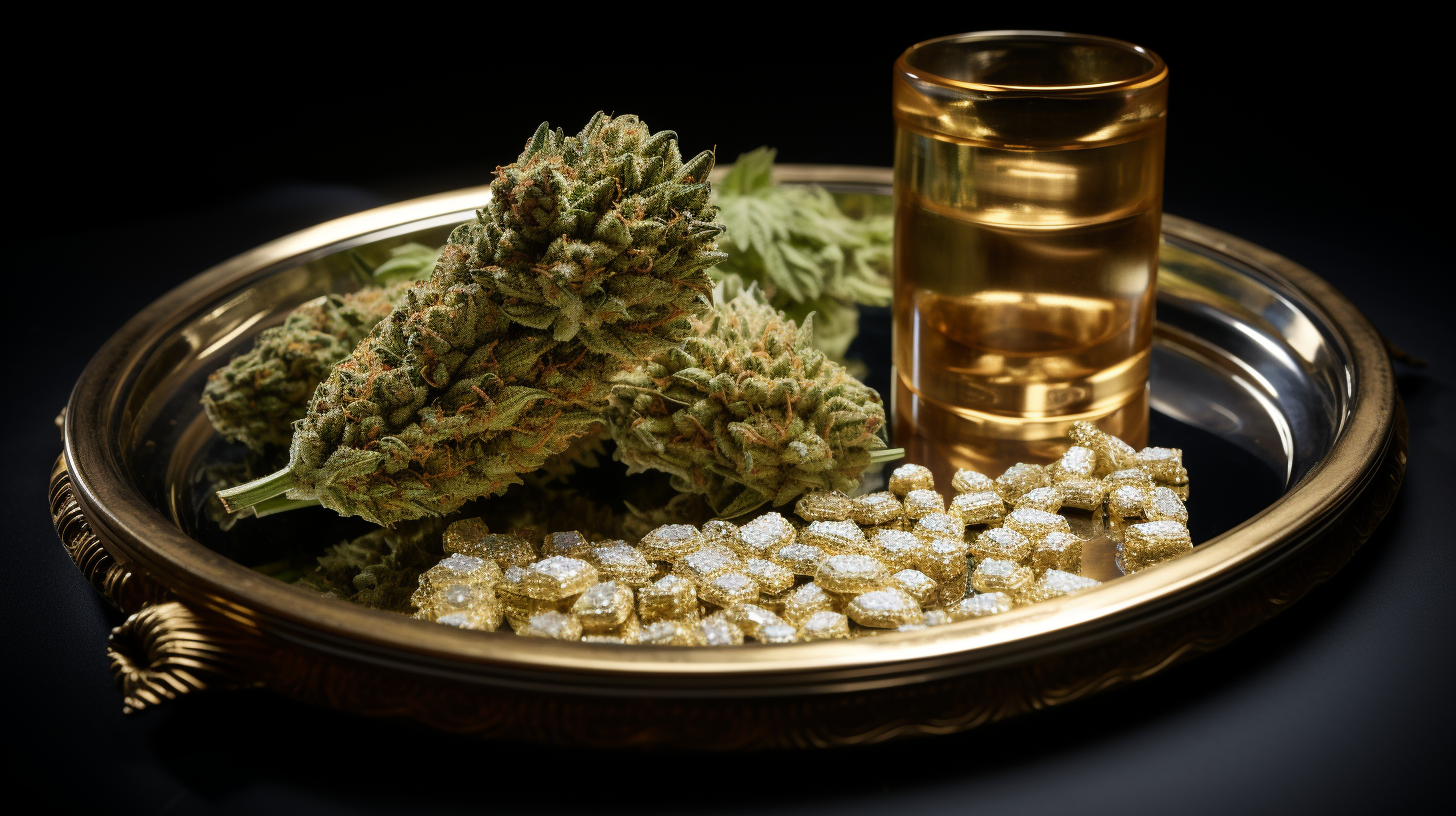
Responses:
[472,619]
[557,577]
[764,535]
[980,507]
[517,606]
[1000,575]
[1078,462]
[1112,453]
[771,578]
[570,544]
[1165,464]
[554,625]
[1019,479]
[1059,550]
[1002,542]
[1128,501]
[466,537]
[1083,494]
[627,632]
[603,606]
[851,573]
[509,550]
[670,598]
[729,589]
[802,559]
[944,558]
[1164,505]
[460,594]
[937,617]
[954,588]
[1048,499]
[877,508]
[708,562]
[670,541]
[825,625]
[834,536]
[897,549]
[617,561]
[717,630]
[1055,583]
[939,525]
[917,585]
[719,531]
[777,633]
[884,609]
[1135,476]
[824,505]
[752,617]
[455,569]
[906,478]
[921,502]
[1152,542]
[668,633]
[979,606]
[773,602]
[804,601]
[969,481]
[1036,524]
[468,606]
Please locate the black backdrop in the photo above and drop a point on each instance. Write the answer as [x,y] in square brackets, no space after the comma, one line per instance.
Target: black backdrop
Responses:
[152,148]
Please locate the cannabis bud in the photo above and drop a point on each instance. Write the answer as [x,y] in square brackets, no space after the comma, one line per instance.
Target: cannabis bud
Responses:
[255,398]
[591,256]
[747,411]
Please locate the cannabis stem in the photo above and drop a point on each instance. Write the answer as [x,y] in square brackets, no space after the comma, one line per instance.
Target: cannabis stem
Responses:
[248,494]
[886,455]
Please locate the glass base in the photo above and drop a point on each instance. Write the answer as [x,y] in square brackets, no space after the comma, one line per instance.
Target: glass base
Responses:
[947,439]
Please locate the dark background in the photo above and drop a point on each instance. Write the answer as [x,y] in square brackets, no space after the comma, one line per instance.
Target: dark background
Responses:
[151,149]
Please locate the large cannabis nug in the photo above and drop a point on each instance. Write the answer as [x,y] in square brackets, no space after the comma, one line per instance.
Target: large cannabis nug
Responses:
[589,258]
[747,411]
[795,242]
[255,398]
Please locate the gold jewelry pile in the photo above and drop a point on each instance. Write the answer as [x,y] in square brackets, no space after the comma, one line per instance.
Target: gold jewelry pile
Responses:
[900,559]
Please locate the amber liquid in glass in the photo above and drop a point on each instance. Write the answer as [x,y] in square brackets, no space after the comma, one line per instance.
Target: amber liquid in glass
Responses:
[1024,295]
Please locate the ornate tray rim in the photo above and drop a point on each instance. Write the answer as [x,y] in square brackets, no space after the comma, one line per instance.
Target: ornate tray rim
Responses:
[135,555]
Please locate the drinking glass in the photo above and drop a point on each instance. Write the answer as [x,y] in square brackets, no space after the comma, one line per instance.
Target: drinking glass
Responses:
[1028,202]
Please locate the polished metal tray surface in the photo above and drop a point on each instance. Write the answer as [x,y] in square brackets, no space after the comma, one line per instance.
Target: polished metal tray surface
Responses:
[1257,361]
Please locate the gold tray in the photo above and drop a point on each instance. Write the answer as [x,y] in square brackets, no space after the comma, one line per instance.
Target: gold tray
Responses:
[1256,351]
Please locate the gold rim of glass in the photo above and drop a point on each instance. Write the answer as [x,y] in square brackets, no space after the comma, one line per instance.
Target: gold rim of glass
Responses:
[1156,71]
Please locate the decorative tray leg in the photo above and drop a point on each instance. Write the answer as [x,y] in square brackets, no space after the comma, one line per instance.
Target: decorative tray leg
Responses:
[163,649]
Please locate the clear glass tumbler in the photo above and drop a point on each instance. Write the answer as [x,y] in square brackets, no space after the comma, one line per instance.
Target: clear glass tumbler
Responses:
[1028,203]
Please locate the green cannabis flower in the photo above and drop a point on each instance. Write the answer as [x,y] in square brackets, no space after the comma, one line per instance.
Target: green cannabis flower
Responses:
[804,252]
[255,399]
[590,257]
[379,569]
[747,411]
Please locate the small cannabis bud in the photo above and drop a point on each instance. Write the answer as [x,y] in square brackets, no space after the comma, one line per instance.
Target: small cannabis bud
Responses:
[803,251]
[255,399]
[747,411]
[590,257]
[379,569]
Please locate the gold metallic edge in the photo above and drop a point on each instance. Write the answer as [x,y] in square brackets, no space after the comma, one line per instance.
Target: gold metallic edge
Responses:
[1155,74]
[204,578]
